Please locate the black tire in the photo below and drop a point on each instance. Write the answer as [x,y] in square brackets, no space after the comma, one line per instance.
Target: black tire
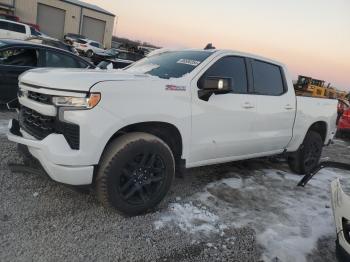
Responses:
[341,254]
[89,53]
[308,155]
[135,173]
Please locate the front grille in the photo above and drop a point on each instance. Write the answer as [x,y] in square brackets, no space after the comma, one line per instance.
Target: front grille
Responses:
[36,124]
[39,97]
[40,126]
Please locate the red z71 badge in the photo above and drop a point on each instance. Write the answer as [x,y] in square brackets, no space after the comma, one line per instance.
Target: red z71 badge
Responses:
[175,88]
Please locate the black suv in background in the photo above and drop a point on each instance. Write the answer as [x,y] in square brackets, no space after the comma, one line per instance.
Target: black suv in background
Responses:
[18,56]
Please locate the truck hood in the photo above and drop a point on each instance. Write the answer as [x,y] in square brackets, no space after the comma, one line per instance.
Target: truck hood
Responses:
[75,79]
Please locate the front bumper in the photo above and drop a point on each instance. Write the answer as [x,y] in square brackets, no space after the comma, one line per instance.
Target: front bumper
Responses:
[341,211]
[41,150]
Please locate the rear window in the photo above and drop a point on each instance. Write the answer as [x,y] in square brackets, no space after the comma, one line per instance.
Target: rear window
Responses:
[80,41]
[4,25]
[17,28]
[95,44]
[75,35]
[267,79]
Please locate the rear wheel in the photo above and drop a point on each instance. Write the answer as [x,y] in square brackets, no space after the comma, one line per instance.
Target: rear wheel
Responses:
[308,155]
[135,173]
[89,53]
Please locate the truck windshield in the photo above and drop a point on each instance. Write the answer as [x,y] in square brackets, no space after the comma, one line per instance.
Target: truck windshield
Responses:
[172,64]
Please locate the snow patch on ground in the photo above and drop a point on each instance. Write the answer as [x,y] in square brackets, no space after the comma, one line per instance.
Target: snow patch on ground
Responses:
[288,220]
[190,218]
[3,126]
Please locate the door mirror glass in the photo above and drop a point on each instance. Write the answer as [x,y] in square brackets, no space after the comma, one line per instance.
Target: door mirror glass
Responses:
[209,85]
[216,84]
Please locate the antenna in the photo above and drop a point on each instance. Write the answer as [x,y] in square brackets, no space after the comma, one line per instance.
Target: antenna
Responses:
[209,46]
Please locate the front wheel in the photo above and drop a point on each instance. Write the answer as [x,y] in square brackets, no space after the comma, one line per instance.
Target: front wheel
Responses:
[308,155]
[136,172]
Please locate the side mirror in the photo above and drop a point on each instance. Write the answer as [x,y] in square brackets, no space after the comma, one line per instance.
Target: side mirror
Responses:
[209,85]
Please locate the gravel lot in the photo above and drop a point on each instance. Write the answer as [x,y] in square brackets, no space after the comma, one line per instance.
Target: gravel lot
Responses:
[246,211]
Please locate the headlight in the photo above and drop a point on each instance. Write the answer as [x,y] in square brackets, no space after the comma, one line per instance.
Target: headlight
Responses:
[79,102]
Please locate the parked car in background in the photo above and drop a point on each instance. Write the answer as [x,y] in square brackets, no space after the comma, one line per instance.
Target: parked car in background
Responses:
[118,58]
[9,17]
[344,124]
[35,26]
[128,131]
[70,38]
[53,42]
[88,47]
[19,31]
[18,56]
[14,30]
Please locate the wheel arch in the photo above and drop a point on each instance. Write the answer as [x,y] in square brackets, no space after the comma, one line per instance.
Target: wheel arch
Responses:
[168,132]
[321,128]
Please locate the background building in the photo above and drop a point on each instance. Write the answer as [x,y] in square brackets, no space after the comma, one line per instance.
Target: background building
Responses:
[59,17]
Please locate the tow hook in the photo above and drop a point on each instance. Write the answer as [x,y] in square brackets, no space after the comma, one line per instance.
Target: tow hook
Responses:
[322,165]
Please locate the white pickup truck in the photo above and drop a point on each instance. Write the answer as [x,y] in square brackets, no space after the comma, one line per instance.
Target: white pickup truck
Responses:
[126,132]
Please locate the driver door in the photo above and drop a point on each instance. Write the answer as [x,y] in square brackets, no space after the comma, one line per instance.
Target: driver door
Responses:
[222,127]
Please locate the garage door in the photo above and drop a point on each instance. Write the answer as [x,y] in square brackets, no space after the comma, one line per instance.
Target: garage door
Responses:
[51,20]
[93,28]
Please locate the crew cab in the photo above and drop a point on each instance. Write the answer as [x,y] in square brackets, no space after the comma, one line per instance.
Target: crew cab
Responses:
[127,132]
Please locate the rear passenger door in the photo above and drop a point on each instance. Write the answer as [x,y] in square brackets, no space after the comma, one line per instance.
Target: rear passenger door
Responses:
[276,107]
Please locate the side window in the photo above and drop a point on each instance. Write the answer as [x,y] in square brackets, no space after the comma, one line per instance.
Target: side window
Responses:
[267,79]
[81,64]
[231,67]
[19,57]
[17,28]
[4,25]
[55,59]
[34,32]
[95,44]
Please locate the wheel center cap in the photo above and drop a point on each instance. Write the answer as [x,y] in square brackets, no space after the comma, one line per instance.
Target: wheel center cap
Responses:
[141,174]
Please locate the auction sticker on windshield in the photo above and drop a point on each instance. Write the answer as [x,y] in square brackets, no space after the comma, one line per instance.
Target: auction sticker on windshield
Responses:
[188,62]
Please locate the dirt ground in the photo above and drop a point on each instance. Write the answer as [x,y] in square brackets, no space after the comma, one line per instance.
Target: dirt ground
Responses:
[245,211]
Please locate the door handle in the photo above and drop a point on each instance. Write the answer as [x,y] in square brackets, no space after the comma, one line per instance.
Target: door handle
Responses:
[289,107]
[248,105]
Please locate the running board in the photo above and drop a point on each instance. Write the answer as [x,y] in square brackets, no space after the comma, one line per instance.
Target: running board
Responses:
[322,165]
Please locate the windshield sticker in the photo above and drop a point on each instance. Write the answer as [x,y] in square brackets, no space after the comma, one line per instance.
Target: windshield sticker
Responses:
[188,62]
[175,88]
